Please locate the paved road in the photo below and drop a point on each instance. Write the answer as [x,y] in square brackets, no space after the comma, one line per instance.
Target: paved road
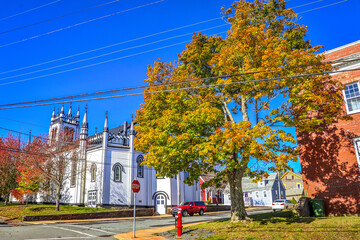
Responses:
[98,229]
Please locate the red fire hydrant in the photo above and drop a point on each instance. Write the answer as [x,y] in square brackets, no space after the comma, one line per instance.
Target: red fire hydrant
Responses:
[179,223]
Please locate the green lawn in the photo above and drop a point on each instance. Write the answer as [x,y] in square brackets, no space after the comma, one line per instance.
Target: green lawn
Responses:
[16,211]
[285,225]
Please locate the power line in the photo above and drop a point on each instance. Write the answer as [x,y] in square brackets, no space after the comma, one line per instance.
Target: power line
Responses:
[307,4]
[46,75]
[113,52]
[113,45]
[94,64]
[169,84]
[23,122]
[187,88]
[51,19]
[322,7]
[81,23]
[32,9]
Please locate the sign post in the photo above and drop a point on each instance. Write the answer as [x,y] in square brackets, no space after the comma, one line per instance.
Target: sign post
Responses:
[135,186]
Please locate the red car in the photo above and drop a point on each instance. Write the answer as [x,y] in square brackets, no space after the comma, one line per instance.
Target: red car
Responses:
[189,208]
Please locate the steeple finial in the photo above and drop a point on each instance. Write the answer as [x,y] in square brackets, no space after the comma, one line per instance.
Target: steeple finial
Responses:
[53,115]
[62,111]
[29,141]
[69,113]
[85,120]
[106,125]
[78,113]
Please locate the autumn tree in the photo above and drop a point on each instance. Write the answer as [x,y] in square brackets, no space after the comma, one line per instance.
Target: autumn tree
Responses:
[264,73]
[29,176]
[61,165]
[9,156]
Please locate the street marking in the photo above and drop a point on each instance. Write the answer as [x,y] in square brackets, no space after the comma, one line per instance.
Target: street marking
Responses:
[94,229]
[89,235]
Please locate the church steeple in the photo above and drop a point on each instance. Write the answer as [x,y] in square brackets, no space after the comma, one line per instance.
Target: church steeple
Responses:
[62,114]
[53,115]
[106,125]
[84,126]
[78,113]
[69,113]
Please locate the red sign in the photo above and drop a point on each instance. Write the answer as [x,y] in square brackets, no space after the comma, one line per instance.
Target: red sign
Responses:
[135,186]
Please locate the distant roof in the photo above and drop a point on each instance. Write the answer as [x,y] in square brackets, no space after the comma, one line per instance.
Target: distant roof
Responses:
[116,130]
[299,176]
[248,184]
[342,47]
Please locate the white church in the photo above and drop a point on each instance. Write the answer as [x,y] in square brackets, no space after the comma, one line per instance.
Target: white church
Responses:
[108,165]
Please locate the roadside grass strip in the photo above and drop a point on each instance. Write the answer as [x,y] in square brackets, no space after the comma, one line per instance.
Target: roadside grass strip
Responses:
[15,211]
[278,225]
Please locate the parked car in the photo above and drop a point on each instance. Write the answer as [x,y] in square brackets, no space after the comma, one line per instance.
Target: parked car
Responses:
[189,208]
[281,204]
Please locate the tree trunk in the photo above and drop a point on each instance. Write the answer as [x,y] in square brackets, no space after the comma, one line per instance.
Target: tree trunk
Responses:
[236,194]
[58,193]
[6,200]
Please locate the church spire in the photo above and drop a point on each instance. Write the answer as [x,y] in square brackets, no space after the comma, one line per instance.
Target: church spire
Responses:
[69,113]
[85,120]
[53,115]
[106,125]
[84,126]
[29,141]
[78,113]
[62,114]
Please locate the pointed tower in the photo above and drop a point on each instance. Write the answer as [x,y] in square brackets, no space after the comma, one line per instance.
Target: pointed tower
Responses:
[69,113]
[62,114]
[53,116]
[78,114]
[106,163]
[29,141]
[84,132]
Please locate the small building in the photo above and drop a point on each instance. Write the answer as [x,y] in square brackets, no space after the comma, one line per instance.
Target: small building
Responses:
[293,184]
[262,193]
[211,194]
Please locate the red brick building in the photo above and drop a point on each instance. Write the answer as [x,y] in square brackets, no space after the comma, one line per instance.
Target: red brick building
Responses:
[330,160]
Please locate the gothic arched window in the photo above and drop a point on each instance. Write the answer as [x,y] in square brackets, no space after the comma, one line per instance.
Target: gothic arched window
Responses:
[140,168]
[93,172]
[117,169]
[68,134]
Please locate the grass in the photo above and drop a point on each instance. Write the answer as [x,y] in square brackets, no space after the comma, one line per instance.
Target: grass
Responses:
[15,211]
[284,225]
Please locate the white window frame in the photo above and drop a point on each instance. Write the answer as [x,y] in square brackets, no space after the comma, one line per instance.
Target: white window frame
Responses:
[115,167]
[357,149]
[345,99]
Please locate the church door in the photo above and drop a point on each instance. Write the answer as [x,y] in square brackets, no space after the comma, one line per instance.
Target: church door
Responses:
[160,204]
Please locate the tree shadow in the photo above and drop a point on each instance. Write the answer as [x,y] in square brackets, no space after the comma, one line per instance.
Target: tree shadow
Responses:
[330,169]
[284,216]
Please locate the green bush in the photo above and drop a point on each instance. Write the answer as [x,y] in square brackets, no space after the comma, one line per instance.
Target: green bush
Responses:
[293,201]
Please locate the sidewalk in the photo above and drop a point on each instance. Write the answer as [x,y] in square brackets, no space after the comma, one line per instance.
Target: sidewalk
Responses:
[148,234]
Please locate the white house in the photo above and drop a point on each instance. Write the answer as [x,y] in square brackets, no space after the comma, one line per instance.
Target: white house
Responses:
[262,193]
[107,165]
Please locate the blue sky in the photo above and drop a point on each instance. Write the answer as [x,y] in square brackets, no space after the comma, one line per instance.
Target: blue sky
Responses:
[331,26]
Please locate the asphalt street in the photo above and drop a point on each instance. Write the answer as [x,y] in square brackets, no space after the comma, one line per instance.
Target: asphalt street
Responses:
[95,229]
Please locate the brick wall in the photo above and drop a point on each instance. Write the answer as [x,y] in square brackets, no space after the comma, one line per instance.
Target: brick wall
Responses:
[328,160]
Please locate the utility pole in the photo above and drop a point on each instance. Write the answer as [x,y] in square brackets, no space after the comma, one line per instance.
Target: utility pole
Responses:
[178,189]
